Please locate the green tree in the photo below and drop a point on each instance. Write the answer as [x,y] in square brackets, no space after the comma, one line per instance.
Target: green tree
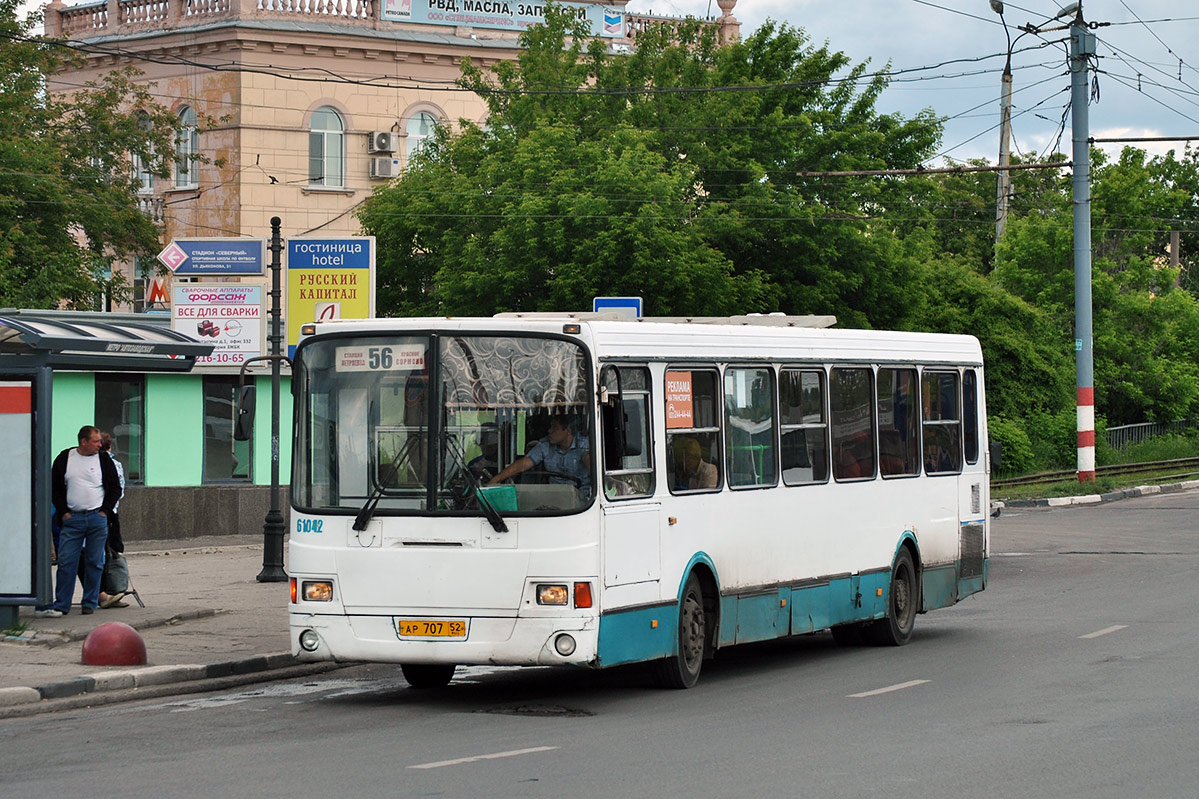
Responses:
[68,194]
[672,173]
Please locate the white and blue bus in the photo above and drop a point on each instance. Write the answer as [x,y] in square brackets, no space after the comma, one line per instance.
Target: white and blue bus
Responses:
[743,479]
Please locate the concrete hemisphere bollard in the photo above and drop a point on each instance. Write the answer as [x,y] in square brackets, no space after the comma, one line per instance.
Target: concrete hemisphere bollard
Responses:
[114,644]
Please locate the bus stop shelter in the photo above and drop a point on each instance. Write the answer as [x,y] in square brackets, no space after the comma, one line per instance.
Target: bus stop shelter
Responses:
[32,346]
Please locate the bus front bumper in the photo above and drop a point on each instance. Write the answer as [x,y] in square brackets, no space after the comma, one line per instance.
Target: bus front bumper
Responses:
[539,641]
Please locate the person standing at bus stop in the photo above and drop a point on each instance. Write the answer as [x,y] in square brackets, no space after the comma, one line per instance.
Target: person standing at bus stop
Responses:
[85,488]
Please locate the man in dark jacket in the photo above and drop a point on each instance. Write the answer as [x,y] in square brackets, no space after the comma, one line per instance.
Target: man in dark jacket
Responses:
[85,488]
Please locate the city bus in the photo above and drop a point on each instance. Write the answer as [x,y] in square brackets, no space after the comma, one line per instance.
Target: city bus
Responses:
[733,479]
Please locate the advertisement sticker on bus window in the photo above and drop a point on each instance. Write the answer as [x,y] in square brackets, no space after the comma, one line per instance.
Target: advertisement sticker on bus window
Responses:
[678,400]
[382,358]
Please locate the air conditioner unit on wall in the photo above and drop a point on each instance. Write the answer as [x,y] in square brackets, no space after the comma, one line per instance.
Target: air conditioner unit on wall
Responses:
[381,141]
[384,168]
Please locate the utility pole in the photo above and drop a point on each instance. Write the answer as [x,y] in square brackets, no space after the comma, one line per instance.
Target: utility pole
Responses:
[1082,49]
[1003,189]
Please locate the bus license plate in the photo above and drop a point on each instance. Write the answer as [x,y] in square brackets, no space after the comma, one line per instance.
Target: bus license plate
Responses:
[430,628]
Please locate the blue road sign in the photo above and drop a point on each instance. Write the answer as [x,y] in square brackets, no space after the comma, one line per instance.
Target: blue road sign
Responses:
[628,306]
[216,257]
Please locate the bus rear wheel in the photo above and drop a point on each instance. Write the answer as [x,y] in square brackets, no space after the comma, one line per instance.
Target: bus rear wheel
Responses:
[681,670]
[895,629]
[428,675]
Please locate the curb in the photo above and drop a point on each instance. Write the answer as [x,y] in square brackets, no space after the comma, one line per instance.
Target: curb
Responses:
[144,677]
[1092,499]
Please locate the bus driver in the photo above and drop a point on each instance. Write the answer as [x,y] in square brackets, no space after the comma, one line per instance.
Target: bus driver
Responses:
[564,453]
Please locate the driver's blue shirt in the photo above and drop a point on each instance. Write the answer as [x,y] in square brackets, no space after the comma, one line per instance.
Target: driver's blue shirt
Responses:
[570,462]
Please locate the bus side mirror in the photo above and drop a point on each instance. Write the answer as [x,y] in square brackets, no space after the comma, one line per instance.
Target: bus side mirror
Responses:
[243,426]
[996,448]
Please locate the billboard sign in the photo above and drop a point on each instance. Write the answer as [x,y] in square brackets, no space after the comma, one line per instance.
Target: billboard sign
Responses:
[231,316]
[328,279]
[216,257]
[605,21]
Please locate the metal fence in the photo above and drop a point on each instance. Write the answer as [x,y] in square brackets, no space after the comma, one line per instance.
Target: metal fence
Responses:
[1129,434]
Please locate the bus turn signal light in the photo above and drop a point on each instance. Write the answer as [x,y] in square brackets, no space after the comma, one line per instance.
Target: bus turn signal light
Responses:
[293,590]
[582,595]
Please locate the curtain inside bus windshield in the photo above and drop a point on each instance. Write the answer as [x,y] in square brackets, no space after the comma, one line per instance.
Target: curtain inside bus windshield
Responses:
[500,395]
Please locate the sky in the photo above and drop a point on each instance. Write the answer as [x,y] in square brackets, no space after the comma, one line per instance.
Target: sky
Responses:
[1150,42]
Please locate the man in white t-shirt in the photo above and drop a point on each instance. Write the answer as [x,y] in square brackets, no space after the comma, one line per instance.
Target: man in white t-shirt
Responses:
[85,488]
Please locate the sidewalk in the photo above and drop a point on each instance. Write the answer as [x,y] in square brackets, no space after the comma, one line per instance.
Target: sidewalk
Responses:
[206,617]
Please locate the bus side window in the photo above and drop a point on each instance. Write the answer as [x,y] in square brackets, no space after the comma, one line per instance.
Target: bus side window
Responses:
[898,423]
[749,426]
[942,422]
[970,413]
[692,430]
[851,417]
[625,420]
[803,424]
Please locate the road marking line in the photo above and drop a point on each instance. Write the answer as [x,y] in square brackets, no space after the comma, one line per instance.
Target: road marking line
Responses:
[888,689]
[492,756]
[1104,631]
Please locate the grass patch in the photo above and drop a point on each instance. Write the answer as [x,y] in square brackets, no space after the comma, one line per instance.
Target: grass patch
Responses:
[18,629]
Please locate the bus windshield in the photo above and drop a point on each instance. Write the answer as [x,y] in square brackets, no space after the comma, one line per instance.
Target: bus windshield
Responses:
[423,423]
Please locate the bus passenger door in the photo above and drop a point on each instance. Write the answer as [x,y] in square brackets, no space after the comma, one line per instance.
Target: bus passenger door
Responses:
[631,543]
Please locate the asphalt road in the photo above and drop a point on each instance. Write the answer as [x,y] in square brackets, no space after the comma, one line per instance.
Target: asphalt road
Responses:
[1075,674]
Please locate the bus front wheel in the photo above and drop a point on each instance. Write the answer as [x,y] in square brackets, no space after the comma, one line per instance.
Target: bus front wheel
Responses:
[428,675]
[895,629]
[681,670]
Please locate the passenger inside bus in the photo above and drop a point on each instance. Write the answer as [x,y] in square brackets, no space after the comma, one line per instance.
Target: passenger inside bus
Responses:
[690,470]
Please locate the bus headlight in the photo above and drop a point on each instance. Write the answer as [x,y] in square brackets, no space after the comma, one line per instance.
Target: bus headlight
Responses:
[318,590]
[309,640]
[552,595]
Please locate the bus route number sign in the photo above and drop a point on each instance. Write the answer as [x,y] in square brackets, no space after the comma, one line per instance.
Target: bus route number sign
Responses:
[430,628]
[381,358]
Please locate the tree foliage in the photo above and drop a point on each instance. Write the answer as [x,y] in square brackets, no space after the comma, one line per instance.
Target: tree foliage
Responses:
[68,196]
[671,173]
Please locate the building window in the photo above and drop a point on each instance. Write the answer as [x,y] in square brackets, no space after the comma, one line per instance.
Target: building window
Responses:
[420,127]
[142,163]
[187,145]
[326,149]
[121,412]
[224,458]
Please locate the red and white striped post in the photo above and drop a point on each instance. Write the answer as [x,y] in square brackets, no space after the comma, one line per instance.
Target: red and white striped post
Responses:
[1086,434]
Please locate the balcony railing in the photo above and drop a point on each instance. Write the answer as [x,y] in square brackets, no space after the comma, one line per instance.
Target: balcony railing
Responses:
[115,17]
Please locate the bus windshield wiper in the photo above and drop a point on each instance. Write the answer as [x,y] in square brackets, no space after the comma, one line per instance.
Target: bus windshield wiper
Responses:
[368,510]
[497,521]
